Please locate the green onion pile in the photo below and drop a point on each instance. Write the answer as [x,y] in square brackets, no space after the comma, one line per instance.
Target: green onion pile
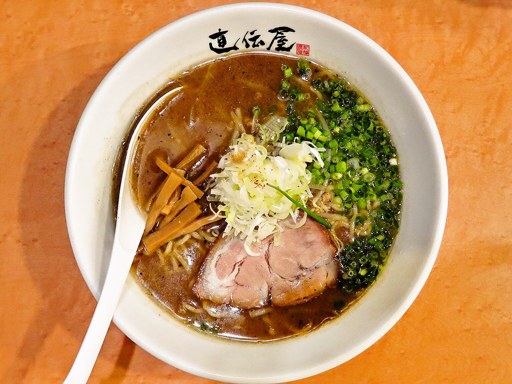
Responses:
[360,163]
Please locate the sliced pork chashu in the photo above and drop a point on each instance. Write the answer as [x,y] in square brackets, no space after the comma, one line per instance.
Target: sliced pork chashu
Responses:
[293,272]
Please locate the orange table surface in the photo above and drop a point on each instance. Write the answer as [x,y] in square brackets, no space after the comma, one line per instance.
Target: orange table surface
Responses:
[458,52]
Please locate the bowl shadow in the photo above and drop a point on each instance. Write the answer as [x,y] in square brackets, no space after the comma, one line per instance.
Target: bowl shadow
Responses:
[46,249]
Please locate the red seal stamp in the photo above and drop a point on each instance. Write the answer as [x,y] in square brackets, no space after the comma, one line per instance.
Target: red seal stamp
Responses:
[302,49]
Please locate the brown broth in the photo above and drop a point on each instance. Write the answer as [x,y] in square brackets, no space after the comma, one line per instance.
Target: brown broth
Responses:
[201,113]
[172,289]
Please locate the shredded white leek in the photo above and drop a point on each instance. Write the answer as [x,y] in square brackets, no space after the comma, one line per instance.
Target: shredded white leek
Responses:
[252,209]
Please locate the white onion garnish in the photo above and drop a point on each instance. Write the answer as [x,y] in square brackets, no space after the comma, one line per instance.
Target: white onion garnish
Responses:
[252,209]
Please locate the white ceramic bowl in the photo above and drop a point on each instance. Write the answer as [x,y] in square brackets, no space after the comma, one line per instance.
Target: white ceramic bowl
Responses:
[186,42]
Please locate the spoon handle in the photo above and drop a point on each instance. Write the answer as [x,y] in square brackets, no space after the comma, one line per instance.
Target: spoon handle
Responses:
[118,269]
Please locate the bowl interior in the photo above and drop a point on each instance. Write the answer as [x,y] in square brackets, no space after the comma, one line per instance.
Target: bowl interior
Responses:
[187,42]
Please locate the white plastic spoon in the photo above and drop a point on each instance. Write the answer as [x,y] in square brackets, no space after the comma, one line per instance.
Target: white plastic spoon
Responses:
[129,228]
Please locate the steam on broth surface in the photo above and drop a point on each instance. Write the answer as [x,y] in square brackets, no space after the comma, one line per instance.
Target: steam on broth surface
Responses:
[243,147]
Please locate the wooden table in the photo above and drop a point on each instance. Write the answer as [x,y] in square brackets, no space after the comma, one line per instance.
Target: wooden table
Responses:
[458,52]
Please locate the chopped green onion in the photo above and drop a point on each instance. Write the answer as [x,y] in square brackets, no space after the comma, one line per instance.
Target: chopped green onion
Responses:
[360,165]
[341,167]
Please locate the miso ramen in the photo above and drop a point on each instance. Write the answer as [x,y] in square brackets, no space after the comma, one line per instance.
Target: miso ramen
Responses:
[272,192]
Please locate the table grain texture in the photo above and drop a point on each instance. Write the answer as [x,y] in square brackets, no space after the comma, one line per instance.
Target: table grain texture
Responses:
[53,54]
